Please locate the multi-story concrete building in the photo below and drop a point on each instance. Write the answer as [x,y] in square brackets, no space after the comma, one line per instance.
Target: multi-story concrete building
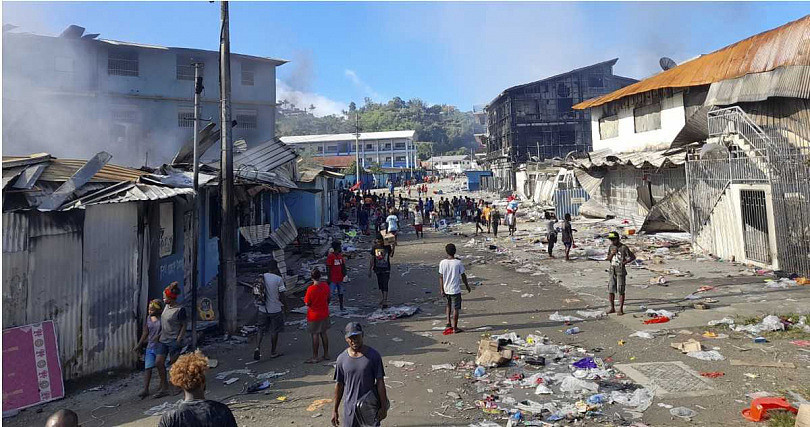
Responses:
[394,149]
[536,119]
[451,164]
[73,96]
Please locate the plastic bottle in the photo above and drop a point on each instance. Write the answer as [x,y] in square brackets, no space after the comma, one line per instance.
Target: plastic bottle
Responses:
[572,331]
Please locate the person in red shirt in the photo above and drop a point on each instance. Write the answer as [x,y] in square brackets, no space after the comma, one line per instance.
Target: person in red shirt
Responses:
[336,266]
[317,301]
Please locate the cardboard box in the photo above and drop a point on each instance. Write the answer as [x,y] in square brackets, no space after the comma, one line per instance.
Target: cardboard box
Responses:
[489,355]
[388,239]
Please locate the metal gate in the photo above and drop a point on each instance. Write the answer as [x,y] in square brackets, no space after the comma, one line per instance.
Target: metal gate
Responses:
[755,225]
[569,201]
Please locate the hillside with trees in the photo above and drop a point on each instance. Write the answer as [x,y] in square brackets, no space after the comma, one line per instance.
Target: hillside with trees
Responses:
[449,129]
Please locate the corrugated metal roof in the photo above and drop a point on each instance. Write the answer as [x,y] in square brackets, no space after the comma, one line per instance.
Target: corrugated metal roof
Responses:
[638,159]
[264,157]
[786,82]
[273,178]
[135,193]
[448,158]
[335,161]
[61,169]
[339,137]
[782,46]
[190,50]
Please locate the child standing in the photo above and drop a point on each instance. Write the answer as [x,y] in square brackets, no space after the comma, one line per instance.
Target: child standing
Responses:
[619,255]
[567,235]
[317,302]
[451,274]
[336,266]
[380,263]
[151,337]
[495,220]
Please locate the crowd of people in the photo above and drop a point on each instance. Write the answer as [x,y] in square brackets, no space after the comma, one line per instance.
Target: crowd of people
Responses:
[359,373]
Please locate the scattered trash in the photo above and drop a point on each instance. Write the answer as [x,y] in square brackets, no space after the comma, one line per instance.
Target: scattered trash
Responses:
[572,331]
[400,363]
[543,389]
[490,354]
[578,386]
[735,362]
[479,372]
[682,412]
[230,381]
[661,319]
[443,366]
[706,355]
[643,334]
[660,313]
[760,407]
[595,314]
[282,398]
[271,374]
[318,404]
[391,313]
[253,388]
[712,374]
[585,363]
[226,374]
[768,324]
[801,343]
[689,346]
[760,340]
[556,317]
[723,321]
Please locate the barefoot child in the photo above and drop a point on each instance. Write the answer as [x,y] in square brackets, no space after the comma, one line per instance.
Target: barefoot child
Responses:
[451,274]
[151,337]
[317,301]
[380,264]
[619,255]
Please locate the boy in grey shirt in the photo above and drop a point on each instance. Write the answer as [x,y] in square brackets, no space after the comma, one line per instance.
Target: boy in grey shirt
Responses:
[619,255]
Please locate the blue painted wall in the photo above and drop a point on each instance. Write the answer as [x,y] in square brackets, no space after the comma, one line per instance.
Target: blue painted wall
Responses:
[305,207]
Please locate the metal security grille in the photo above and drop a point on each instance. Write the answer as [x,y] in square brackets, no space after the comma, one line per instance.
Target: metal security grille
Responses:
[755,225]
[122,63]
[770,155]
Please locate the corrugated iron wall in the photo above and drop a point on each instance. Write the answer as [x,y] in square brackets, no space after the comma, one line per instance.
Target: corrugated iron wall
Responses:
[55,281]
[569,201]
[15,268]
[111,290]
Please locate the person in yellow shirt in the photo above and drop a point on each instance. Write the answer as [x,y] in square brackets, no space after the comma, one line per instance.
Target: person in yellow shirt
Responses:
[486,214]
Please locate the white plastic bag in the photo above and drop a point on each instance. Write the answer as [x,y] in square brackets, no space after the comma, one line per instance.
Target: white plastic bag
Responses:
[557,317]
[706,355]
[576,385]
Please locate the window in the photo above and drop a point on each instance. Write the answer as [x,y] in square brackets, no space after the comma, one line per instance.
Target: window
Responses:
[369,160]
[122,63]
[331,148]
[185,67]
[563,91]
[387,160]
[246,119]
[166,229]
[185,117]
[400,158]
[596,80]
[399,145]
[647,118]
[609,127]
[455,162]
[388,146]
[248,73]
[369,146]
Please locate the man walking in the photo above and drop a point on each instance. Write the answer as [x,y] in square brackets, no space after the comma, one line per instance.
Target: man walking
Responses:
[359,383]
[271,314]
[451,274]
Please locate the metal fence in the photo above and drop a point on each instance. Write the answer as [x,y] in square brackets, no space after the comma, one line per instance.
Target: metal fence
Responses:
[745,153]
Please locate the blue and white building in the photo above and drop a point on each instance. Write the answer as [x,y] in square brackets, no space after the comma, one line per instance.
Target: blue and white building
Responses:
[393,149]
[75,95]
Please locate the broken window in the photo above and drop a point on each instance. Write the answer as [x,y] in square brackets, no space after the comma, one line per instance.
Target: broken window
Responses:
[564,105]
[248,74]
[563,91]
[647,118]
[596,80]
[609,127]
[400,159]
[246,119]
[121,62]
[185,67]
[185,117]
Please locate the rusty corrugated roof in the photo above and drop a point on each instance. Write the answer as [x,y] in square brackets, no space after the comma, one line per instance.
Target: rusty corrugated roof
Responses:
[61,169]
[782,46]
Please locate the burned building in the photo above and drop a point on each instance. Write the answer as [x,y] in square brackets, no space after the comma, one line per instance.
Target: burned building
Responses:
[536,119]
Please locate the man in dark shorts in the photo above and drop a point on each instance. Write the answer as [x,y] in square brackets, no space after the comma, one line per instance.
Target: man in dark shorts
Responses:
[359,377]
[188,373]
[271,313]
[619,255]
[381,265]
[451,274]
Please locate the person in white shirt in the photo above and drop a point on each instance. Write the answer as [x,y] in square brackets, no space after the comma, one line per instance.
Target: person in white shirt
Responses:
[271,314]
[418,220]
[451,274]
[393,227]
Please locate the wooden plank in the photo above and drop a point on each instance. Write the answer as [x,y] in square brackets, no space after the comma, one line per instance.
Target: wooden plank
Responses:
[735,362]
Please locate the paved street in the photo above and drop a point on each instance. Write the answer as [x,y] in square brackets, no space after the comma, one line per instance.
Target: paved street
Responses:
[502,300]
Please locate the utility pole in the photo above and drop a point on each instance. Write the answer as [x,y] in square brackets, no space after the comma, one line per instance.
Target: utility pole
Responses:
[195,274]
[357,147]
[227,226]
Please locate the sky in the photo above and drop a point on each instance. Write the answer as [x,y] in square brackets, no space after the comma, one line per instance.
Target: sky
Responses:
[457,53]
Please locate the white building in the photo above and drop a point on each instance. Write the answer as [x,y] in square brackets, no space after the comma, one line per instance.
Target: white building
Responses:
[393,149]
[74,96]
[451,164]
